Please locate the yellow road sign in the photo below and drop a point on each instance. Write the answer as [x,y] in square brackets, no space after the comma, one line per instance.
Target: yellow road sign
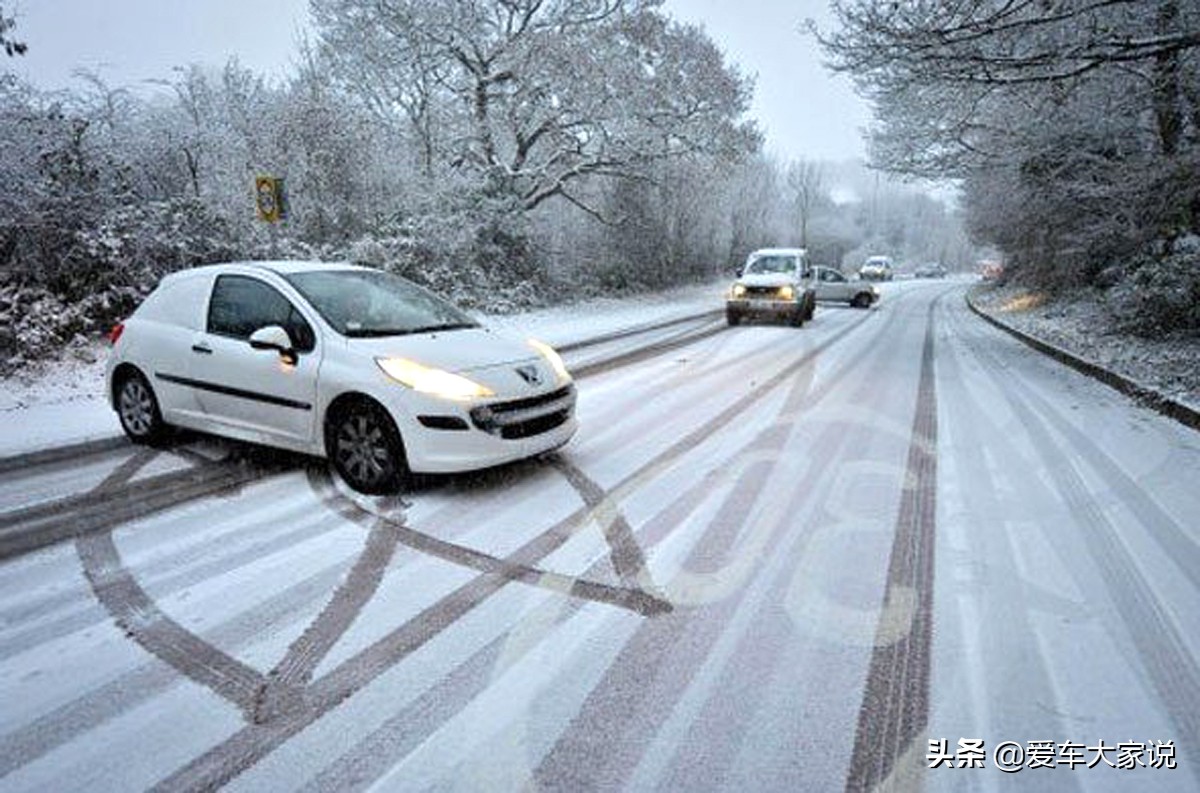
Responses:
[268,196]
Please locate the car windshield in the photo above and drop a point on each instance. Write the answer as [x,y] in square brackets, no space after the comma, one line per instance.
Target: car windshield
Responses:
[771,264]
[368,303]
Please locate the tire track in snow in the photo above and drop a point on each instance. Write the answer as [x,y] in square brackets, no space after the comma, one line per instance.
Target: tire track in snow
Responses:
[895,705]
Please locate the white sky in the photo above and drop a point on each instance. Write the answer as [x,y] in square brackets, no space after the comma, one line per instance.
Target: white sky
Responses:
[805,111]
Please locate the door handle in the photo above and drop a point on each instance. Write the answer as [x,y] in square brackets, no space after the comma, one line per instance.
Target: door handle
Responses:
[202,348]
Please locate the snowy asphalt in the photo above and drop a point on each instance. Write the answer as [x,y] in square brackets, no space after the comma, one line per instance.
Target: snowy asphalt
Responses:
[772,559]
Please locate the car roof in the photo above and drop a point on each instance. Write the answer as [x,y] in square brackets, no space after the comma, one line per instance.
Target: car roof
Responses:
[780,252]
[280,267]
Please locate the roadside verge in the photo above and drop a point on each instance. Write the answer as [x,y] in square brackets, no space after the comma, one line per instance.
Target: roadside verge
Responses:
[1172,408]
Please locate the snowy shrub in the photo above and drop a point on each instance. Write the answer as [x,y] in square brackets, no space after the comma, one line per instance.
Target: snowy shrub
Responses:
[1162,295]
[36,324]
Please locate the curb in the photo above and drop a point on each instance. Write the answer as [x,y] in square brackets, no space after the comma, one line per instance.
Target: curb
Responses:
[1144,395]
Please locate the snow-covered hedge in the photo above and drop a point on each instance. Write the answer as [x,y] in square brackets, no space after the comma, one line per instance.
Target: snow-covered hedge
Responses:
[36,324]
[1162,295]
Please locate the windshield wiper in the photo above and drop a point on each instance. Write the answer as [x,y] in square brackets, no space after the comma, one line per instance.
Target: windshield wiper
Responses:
[367,333]
[447,326]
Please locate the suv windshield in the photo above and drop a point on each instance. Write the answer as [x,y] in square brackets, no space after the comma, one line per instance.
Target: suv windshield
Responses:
[772,264]
[365,303]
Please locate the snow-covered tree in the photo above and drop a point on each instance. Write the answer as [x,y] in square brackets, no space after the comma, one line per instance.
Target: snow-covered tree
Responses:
[1073,123]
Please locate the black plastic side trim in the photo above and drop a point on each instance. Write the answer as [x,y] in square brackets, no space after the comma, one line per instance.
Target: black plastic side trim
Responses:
[234,392]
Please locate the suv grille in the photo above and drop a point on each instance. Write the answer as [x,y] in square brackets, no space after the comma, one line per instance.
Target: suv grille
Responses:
[763,292]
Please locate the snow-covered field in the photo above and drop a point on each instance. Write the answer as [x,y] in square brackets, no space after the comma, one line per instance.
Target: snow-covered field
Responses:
[1083,325]
[62,401]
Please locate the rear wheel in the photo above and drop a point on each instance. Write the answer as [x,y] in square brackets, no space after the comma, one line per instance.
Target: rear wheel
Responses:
[366,450]
[137,408]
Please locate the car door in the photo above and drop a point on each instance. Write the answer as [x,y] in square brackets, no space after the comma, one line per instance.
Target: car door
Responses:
[248,392]
[832,285]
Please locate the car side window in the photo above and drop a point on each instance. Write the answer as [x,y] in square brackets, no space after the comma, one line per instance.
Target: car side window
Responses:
[241,305]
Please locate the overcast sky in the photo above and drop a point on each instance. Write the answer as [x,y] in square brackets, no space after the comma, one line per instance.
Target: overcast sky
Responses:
[805,111]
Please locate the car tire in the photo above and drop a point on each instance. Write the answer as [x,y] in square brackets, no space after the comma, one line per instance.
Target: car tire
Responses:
[137,409]
[733,318]
[811,304]
[365,448]
[861,300]
[796,318]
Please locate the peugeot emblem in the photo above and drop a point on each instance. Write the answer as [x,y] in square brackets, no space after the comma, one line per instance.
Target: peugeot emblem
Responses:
[530,375]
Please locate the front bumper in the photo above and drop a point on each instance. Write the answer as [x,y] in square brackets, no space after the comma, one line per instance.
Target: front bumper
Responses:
[762,306]
[445,437]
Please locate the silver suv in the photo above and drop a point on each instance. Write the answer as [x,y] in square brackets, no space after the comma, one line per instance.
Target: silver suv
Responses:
[775,283]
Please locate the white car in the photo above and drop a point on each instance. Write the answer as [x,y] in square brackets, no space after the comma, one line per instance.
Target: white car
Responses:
[775,283]
[831,285]
[375,373]
[877,268]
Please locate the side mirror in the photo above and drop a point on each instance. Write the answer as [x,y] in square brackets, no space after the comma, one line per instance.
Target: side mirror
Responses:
[273,337]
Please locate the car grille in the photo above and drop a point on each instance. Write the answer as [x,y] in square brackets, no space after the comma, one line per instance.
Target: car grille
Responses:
[763,292]
[524,418]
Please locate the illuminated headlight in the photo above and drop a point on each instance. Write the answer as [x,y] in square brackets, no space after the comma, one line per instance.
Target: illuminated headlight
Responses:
[553,358]
[428,380]
[738,290]
[786,293]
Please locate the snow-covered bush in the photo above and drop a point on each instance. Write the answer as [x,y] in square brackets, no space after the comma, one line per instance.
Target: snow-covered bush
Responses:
[1163,294]
[36,324]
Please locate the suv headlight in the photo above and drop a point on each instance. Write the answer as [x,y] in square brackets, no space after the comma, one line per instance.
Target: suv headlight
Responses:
[737,290]
[787,293]
[428,380]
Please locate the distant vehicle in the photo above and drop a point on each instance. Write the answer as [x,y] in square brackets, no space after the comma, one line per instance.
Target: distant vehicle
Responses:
[775,283]
[831,285]
[876,268]
[357,365]
[931,270]
[990,270]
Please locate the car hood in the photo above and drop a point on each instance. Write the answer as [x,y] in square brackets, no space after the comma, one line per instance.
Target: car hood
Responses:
[766,279]
[459,351]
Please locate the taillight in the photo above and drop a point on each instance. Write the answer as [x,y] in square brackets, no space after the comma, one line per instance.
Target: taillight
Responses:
[116,332]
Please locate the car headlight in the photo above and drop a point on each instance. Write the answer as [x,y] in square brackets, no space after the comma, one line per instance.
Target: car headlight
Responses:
[786,293]
[553,358]
[432,381]
[738,290]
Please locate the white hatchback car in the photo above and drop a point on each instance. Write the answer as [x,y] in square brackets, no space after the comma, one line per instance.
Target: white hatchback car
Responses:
[350,363]
[831,285]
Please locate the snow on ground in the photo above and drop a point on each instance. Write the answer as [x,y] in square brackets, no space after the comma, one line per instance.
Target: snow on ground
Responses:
[52,403]
[1082,324]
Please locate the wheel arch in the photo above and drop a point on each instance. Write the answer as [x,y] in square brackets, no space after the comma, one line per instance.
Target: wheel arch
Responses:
[348,400]
[122,371]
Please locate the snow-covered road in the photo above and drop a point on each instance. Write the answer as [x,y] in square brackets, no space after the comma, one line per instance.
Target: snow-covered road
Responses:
[772,559]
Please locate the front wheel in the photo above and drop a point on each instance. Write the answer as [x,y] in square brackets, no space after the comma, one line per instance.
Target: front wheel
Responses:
[366,449]
[138,410]
[732,317]
[861,300]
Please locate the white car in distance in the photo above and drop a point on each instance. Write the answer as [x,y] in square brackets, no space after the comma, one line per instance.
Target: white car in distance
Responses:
[365,368]
[832,285]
